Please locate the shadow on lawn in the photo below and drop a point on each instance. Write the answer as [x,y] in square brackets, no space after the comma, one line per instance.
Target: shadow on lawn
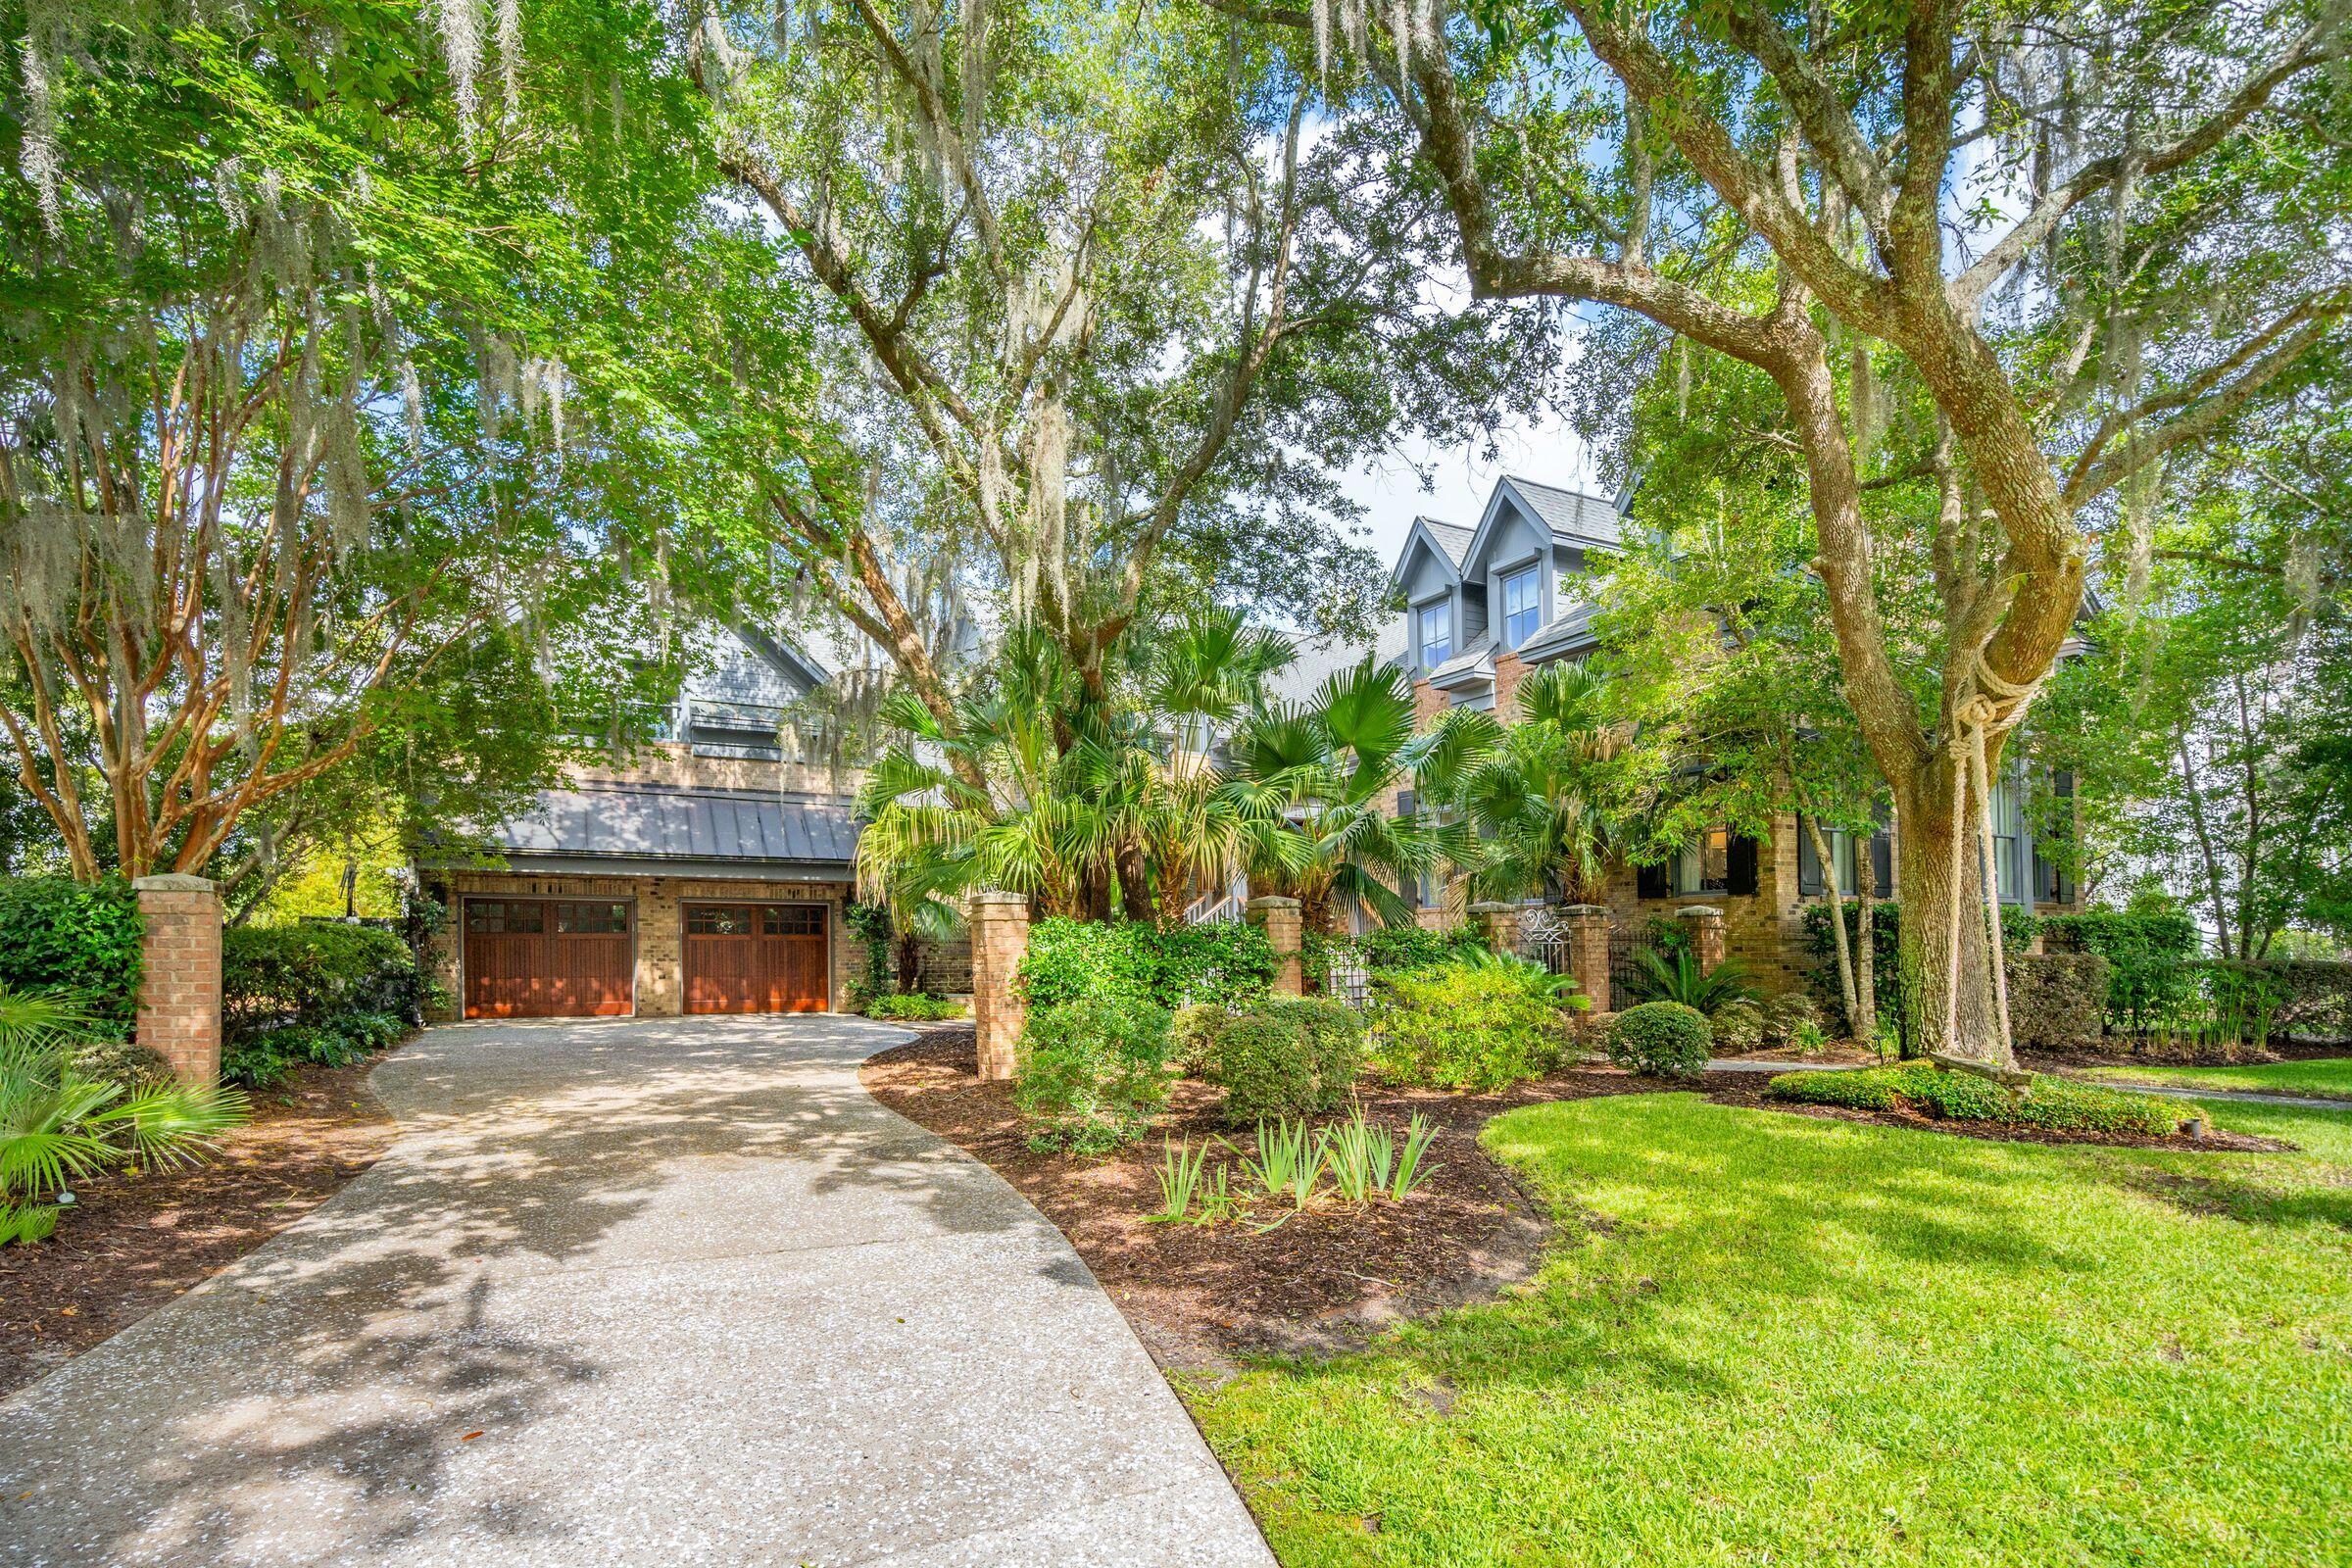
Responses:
[313,1401]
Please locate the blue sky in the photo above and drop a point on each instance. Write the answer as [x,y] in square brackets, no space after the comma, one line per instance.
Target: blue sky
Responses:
[1391,496]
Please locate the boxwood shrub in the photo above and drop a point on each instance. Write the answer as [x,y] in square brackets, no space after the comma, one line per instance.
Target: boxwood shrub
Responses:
[1286,1057]
[2059,1103]
[1660,1040]
[1092,1071]
[83,936]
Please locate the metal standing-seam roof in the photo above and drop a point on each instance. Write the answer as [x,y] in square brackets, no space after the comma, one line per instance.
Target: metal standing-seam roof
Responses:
[603,821]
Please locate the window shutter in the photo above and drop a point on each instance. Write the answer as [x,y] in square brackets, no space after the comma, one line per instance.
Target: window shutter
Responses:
[1740,864]
[1808,862]
[1649,882]
[1882,862]
[1407,802]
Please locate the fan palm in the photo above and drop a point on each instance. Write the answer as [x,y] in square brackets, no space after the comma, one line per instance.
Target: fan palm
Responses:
[1310,786]
[59,1124]
[1534,792]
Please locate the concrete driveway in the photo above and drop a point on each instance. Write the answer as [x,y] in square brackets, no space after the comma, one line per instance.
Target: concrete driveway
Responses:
[631,1291]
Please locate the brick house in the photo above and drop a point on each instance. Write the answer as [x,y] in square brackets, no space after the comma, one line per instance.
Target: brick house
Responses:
[1485,605]
[708,874]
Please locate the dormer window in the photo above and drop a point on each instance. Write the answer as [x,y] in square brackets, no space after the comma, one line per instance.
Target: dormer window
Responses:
[1522,604]
[1435,634]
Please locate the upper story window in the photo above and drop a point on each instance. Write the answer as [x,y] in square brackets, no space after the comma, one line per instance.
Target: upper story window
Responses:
[1522,604]
[1435,634]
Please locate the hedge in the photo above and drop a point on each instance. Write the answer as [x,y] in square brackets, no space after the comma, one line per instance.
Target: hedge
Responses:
[2018,931]
[1390,950]
[2058,1103]
[2148,961]
[313,974]
[1073,960]
[2057,1001]
[85,936]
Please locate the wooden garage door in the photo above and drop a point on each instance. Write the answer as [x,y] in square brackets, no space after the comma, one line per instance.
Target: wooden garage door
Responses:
[549,958]
[755,957]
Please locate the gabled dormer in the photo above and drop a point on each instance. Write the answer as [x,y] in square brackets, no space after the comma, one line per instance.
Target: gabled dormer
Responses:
[1531,546]
[1441,620]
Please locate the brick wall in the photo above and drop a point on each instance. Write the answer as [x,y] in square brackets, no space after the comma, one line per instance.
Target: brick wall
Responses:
[1428,705]
[661,976]
[1764,931]
[179,976]
[944,968]
[1509,670]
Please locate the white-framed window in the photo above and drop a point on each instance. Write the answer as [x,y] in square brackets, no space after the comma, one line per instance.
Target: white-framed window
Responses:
[1522,604]
[1435,634]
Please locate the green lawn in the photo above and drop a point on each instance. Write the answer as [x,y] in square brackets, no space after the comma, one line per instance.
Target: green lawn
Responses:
[1780,1339]
[2329,1078]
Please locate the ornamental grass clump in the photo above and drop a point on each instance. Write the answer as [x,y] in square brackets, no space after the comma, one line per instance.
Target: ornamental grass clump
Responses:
[2059,1104]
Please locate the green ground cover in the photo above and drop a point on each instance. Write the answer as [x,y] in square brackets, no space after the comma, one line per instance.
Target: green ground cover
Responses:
[1773,1339]
[2328,1078]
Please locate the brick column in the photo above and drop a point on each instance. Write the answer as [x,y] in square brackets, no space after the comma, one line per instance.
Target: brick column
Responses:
[1585,927]
[1501,923]
[1706,935]
[1286,929]
[179,976]
[1000,936]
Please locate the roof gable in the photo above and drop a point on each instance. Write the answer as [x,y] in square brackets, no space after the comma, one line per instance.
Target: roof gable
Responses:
[1572,517]
[1445,543]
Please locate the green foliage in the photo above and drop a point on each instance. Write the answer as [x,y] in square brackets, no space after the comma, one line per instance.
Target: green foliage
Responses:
[1286,1057]
[1289,1162]
[913,1007]
[83,936]
[2149,973]
[1070,959]
[870,924]
[1736,1027]
[60,1123]
[1660,1040]
[1466,1027]
[1389,949]
[1679,977]
[316,974]
[1092,1072]
[2056,1103]
[2018,931]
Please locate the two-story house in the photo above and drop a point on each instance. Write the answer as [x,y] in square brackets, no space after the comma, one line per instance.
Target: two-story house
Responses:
[1485,605]
[705,874]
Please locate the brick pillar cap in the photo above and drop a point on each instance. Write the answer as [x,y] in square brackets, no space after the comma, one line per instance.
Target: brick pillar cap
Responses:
[996,898]
[1497,908]
[1699,908]
[175,882]
[1585,909]
[1273,901]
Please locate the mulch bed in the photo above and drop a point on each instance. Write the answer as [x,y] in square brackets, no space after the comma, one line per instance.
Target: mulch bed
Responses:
[133,1241]
[1323,1280]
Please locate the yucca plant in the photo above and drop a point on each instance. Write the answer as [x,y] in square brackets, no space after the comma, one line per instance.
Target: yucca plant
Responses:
[59,1124]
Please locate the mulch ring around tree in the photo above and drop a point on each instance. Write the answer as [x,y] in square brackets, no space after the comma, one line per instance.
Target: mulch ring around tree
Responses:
[132,1242]
[1323,1280]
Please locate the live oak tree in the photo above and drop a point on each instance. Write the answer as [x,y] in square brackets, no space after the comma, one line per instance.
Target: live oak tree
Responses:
[1109,311]
[2095,236]
[287,413]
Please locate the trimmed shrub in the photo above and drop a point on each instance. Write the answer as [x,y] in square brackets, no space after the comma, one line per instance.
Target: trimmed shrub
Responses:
[1286,1057]
[1071,959]
[2018,931]
[914,1007]
[81,936]
[313,974]
[1464,1026]
[1737,1028]
[118,1061]
[1390,949]
[1660,1040]
[1092,1072]
[2149,973]
[2057,1001]
[2057,1104]
[1790,1017]
[1190,1032]
[2310,998]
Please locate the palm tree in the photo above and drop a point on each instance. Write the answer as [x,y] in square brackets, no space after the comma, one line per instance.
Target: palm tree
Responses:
[59,1123]
[1076,797]
[1534,794]
[1309,783]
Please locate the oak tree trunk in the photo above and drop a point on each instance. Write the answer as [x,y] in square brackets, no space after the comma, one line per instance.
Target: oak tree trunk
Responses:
[1930,860]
